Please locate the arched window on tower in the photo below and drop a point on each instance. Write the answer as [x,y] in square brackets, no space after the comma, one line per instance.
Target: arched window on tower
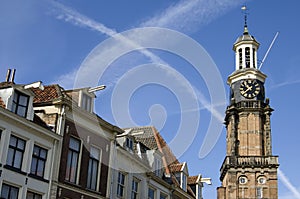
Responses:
[240,58]
[247,57]
[253,55]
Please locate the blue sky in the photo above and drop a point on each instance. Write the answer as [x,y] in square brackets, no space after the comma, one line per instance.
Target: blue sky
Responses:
[52,40]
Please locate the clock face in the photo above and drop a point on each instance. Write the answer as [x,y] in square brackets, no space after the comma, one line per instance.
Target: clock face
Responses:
[249,88]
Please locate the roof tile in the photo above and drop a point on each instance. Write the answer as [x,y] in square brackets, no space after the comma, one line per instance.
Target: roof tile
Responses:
[2,104]
[176,167]
[49,93]
[192,180]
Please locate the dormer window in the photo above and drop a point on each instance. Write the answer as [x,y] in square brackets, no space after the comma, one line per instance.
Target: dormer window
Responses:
[20,103]
[184,181]
[86,102]
[157,166]
[129,143]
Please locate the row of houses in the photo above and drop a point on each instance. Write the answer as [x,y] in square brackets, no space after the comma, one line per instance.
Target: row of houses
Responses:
[53,145]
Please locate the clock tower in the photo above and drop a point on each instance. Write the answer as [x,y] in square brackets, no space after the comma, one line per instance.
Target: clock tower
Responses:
[249,169]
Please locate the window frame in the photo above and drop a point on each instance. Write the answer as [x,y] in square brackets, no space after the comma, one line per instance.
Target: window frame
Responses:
[35,195]
[129,143]
[163,195]
[91,177]
[135,188]
[121,184]
[69,170]
[39,160]
[259,193]
[14,150]
[157,166]
[10,187]
[184,181]
[86,102]
[154,191]
[16,103]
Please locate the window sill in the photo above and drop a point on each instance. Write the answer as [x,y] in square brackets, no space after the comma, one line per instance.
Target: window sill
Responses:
[93,191]
[73,184]
[38,178]
[14,169]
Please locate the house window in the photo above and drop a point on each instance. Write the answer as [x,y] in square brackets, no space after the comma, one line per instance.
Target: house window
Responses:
[93,169]
[86,102]
[38,163]
[72,161]
[259,192]
[31,195]
[184,182]
[157,166]
[15,152]
[163,196]
[121,185]
[134,189]
[247,56]
[129,143]
[20,104]
[199,192]
[151,193]
[9,192]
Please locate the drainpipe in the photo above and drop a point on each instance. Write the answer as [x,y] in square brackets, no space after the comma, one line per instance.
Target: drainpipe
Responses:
[114,151]
[51,168]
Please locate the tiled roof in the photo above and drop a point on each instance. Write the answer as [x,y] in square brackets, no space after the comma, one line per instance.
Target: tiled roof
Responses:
[49,93]
[176,167]
[152,139]
[170,157]
[2,103]
[192,180]
[147,137]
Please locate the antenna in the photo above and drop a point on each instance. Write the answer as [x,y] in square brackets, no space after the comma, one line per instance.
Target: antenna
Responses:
[271,45]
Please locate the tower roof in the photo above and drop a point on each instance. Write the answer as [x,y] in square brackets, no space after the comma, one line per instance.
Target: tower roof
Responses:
[246,36]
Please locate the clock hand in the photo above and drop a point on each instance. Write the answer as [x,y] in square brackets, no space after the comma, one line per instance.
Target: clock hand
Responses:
[248,88]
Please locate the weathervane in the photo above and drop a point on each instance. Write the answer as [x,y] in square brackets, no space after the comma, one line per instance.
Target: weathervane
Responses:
[245,12]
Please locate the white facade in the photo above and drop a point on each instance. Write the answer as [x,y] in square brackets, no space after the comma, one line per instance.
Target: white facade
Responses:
[22,173]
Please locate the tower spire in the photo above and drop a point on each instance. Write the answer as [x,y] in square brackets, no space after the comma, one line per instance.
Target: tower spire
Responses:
[245,11]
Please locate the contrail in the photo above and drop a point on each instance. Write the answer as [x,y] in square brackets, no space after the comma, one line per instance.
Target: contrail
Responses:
[288,184]
[190,15]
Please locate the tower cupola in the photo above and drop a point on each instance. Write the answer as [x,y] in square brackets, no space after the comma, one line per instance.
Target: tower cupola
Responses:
[245,49]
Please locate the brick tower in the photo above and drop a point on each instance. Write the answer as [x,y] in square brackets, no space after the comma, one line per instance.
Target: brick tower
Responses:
[249,169]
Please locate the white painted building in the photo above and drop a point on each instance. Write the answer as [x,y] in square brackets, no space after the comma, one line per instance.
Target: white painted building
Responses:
[28,147]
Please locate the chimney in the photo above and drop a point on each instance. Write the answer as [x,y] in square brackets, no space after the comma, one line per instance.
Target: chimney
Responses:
[8,75]
[12,79]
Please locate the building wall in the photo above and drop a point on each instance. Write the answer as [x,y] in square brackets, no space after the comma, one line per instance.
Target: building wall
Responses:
[90,139]
[32,134]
